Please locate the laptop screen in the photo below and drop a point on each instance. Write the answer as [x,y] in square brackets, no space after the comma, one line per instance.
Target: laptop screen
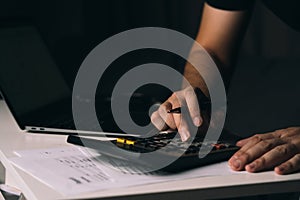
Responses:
[29,78]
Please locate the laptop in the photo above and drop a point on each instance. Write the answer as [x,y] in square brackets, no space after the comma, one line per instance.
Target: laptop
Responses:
[35,91]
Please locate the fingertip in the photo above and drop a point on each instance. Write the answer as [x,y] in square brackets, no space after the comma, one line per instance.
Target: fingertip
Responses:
[280,170]
[184,135]
[232,167]
[250,167]
[230,162]
[197,121]
[183,138]
[235,163]
[240,143]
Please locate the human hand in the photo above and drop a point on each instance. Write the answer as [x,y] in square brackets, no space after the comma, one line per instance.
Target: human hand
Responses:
[187,98]
[279,150]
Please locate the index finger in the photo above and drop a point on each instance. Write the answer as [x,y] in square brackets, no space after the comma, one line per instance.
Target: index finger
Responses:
[193,106]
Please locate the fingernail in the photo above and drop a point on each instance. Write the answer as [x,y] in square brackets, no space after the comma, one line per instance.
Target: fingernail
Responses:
[197,121]
[237,163]
[252,165]
[280,168]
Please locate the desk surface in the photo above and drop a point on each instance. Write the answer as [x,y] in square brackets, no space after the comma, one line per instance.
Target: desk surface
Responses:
[244,184]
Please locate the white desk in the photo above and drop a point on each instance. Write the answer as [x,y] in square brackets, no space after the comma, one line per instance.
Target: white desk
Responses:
[243,184]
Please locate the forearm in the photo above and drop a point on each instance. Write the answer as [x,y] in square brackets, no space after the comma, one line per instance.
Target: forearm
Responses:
[195,77]
[220,34]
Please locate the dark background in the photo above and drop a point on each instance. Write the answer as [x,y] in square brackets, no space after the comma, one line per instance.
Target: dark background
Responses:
[72,28]
[264,94]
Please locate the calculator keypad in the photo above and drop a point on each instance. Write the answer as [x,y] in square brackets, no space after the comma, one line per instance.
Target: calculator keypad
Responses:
[168,143]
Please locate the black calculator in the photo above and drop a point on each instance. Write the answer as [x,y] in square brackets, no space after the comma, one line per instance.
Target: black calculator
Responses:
[186,155]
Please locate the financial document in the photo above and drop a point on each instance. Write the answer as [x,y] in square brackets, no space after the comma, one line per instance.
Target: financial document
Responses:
[75,170]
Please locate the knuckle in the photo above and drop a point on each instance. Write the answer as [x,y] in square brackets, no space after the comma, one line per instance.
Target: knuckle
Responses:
[246,157]
[243,155]
[238,153]
[280,133]
[173,97]
[266,145]
[177,94]
[277,134]
[261,161]
[167,104]
[257,138]
[289,129]
[282,150]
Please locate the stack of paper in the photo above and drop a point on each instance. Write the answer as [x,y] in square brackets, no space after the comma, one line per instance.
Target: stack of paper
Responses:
[74,170]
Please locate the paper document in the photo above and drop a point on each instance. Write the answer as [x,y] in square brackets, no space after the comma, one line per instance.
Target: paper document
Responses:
[75,170]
